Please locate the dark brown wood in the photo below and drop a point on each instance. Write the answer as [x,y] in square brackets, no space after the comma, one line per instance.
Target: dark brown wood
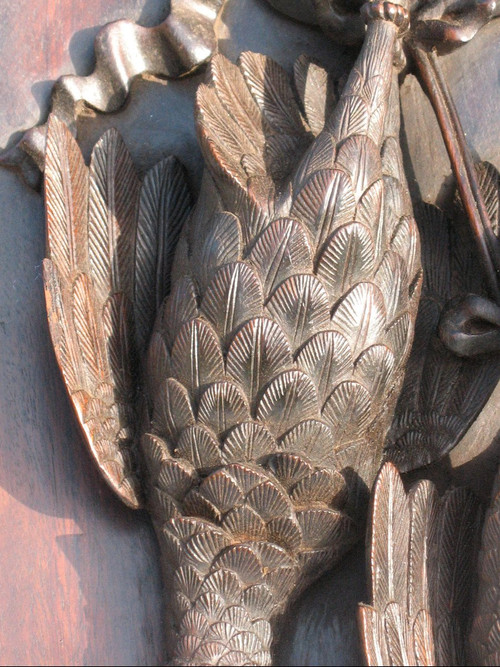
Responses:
[111,612]
[80,582]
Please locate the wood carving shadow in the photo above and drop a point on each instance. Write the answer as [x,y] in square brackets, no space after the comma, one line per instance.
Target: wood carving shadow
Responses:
[140,637]
[324,629]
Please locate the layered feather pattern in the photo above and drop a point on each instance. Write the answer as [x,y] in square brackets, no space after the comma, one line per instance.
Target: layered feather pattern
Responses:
[101,225]
[283,342]
[421,561]
[484,641]
[442,392]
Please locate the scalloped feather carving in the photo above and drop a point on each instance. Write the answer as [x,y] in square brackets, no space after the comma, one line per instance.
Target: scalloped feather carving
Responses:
[258,353]
[300,305]
[289,398]
[233,296]
[361,317]
[324,203]
[222,406]
[281,251]
[348,258]
[327,359]
[196,355]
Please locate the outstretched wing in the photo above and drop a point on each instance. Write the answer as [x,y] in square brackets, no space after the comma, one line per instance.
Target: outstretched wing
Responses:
[109,243]
[422,551]
[443,393]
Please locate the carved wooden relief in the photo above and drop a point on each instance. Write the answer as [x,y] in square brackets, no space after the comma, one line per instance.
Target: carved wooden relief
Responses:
[242,363]
[422,571]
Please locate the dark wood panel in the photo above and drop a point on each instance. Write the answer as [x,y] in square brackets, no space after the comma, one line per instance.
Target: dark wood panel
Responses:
[80,582]
[43,39]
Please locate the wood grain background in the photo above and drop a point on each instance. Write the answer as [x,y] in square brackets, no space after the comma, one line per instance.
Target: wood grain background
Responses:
[79,582]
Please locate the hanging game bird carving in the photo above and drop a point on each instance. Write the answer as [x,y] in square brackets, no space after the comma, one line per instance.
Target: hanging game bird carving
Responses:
[257,418]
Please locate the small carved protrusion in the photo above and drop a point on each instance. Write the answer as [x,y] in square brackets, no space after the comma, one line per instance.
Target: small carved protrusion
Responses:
[471,326]
[387,11]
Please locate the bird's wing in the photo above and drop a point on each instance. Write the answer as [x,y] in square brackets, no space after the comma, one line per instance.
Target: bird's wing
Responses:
[421,556]
[109,250]
[442,392]
[484,641]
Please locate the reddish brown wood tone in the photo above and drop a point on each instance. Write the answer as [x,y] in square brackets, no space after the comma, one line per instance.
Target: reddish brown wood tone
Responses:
[79,579]
[79,582]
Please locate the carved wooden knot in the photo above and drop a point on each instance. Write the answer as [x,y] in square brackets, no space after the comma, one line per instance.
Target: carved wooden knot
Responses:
[387,11]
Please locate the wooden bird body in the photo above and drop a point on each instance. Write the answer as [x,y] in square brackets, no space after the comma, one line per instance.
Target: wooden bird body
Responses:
[276,360]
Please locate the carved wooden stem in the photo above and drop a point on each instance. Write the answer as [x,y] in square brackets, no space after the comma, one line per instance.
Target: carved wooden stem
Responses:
[462,164]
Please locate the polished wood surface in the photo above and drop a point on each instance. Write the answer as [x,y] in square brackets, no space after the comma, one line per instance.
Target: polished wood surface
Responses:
[80,583]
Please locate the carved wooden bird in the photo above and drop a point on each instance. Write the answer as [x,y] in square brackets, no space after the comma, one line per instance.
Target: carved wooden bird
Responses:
[257,420]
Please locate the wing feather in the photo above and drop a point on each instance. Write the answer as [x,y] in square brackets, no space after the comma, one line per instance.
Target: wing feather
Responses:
[484,640]
[163,207]
[317,92]
[422,550]
[113,195]
[442,393]
[93,268]
[66,188]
